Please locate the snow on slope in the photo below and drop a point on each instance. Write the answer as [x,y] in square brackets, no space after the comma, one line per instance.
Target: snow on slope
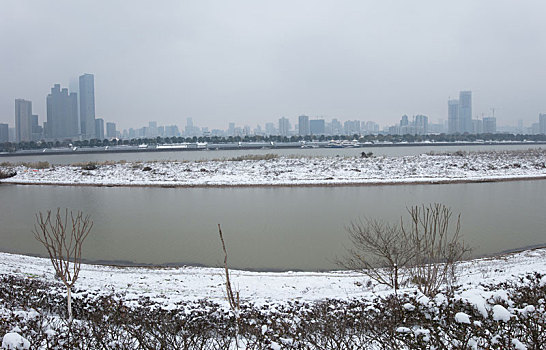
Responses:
[424,168]
[167,286]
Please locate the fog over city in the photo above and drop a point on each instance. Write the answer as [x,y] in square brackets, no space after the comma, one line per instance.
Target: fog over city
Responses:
[253,62]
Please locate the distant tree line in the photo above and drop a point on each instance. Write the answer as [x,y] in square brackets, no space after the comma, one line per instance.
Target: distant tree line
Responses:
[32,145]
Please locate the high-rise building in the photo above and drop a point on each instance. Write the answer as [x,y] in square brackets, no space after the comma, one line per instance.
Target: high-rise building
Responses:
[404,121]
[421,124]
[336,127]
[453,126]
[405,127]
[111,130]
[62,114]
[303,125]
[284,126]
[152,129]
[465,111]
[99,128]
[317,127]
[231,129]
[87,106]
[489,125]
[270,129]
[542,123]
[37,130]
[23,120]
[4,133]
[351,127]
[369,127]
[477,126]
[171,130]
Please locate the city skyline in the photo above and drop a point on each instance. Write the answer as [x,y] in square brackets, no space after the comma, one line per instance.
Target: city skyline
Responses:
[71,115]
[253,63]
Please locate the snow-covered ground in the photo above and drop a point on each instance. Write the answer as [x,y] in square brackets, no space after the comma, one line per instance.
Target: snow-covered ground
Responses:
[292,310]
[424,168]
[167,286]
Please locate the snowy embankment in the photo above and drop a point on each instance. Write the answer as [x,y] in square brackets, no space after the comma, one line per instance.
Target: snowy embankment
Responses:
[168,286]
[287,171]
[499,304]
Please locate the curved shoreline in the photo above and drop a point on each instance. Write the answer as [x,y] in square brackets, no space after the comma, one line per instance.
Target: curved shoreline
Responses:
[392,182]
[278,146]
[121,264]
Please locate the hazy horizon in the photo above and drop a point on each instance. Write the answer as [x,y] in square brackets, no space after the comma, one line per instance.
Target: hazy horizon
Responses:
[253,62]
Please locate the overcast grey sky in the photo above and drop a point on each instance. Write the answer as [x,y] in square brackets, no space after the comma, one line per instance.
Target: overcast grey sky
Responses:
[254,61]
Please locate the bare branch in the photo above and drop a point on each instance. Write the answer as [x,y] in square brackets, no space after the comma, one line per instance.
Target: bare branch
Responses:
[63,236]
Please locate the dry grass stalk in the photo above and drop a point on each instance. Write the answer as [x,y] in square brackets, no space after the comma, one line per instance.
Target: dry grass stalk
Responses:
[233,298]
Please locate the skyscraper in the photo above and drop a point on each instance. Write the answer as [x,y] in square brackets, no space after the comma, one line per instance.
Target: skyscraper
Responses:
[489,125]
[87,106]
[542,123]
[465,111]
[4,133]
[23,120]
[110,130]
[404,121]
[36,129]
[62,114]
[284,126]
[453,125]
[421,124]
[99,128]
[317,127]
[303,125]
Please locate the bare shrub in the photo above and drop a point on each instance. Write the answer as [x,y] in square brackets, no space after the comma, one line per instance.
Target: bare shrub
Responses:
[380,250]
[437,245]
[424,251]
[89,166]
[267,156]
[62,235]
[6,174]
[37,165]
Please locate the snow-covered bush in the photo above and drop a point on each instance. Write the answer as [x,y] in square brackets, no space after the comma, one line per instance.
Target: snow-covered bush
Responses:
[509,316]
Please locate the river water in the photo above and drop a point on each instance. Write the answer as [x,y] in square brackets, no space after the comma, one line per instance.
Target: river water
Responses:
[287,228]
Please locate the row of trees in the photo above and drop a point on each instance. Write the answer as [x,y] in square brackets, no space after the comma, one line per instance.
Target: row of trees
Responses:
[12,147]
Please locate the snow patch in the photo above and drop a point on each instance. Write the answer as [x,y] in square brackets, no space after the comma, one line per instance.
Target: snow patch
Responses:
[14,341]
[501,314]
[461,317]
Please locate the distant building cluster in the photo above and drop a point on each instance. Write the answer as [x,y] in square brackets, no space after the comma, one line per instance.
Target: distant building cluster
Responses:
[71,115]
[459,117]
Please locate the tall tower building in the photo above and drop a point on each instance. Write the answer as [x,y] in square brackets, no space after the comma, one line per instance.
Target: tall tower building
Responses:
[4,133]
[489,125]
[87,106]
[542,123]
[99,128]
[453,117]
[110,130]
[421,124]
[62,114]
[284,126]
[303,125]
[317,127]
[465,111]
[23,120]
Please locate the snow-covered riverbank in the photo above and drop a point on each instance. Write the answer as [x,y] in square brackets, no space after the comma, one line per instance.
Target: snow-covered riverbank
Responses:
[499,303]
[298,171]
[168,286]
